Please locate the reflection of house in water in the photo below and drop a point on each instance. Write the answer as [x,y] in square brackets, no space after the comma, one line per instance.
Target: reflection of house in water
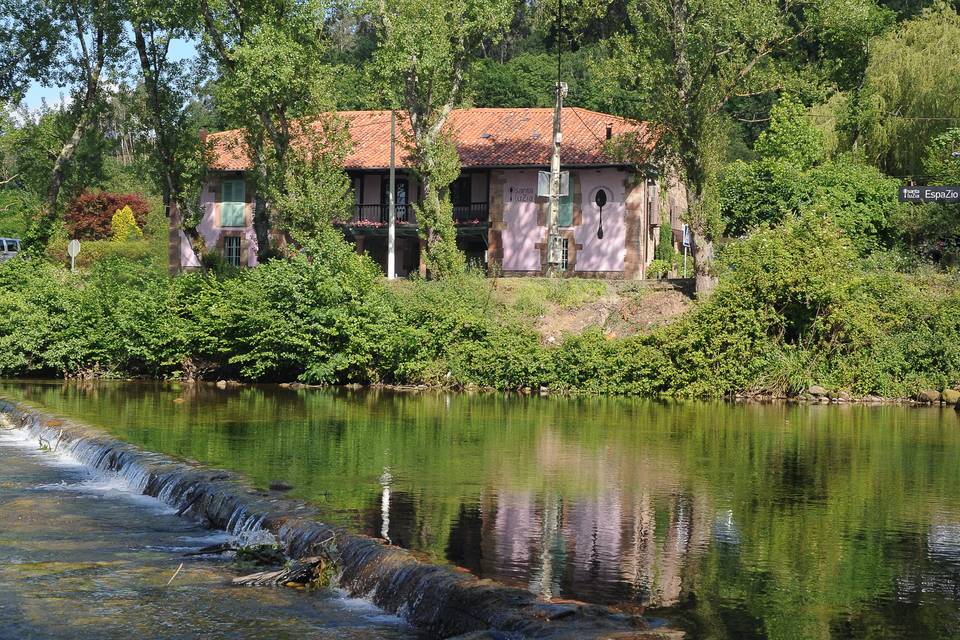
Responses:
[604,548]
[725,529]
[938,571]
[943,541]
[593,532]
[625,532]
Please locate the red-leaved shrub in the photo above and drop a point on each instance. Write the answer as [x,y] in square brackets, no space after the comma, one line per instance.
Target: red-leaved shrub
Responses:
[88,215]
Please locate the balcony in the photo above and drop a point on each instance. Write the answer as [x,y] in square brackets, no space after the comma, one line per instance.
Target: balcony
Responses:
[473,212]
[375,215]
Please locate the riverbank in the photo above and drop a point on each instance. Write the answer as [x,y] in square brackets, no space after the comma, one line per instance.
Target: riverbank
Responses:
[795,308]
[437,599]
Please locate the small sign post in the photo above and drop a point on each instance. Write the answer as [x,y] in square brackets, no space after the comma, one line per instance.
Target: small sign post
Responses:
[73,250]
[686,247]
[923,194]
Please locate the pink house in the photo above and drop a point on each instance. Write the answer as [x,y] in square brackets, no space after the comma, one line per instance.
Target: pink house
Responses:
[501,222]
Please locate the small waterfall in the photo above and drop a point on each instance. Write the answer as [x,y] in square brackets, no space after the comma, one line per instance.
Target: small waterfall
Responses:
[436,598]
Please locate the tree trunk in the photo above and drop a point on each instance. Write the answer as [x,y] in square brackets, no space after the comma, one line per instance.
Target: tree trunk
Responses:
[93,65]
[171,191]
[706,282]
[41,234]
[261,227]
[700,229]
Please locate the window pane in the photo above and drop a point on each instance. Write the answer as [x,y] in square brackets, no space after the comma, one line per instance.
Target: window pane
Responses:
[460,191]
[232,204]
[565,215]
[231,250]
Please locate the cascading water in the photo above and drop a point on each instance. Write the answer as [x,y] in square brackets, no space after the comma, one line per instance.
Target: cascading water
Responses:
[436,598]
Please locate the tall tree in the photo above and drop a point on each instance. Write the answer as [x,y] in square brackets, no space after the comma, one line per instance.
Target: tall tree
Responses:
[425,50]
[93,44]
[699,56]
[166,84]
[28,41]
[274,84]
[909,91]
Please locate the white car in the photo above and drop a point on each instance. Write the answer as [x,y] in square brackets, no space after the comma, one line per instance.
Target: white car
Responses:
[9,248]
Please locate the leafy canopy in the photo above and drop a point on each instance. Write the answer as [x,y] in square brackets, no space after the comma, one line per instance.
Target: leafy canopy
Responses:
[909,90]
[791,136]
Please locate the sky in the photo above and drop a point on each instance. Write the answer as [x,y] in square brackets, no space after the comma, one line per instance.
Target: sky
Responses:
[37,93]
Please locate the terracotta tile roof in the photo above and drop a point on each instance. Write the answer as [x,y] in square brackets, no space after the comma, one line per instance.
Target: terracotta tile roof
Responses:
[484,138]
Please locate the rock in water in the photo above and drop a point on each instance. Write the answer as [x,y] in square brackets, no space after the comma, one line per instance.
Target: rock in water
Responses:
[929,396]
[817,391]
[951,396]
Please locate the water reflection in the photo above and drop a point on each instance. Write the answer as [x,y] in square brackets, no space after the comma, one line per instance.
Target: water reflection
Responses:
[742,521]
[611,547]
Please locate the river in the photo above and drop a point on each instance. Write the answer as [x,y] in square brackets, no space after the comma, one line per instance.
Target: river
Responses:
[729,521]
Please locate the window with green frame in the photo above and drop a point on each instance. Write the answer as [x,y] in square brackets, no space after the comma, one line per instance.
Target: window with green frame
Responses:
[233,204]
[565,214]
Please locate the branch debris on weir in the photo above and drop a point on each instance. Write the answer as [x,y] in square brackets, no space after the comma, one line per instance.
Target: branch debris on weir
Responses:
[444,602]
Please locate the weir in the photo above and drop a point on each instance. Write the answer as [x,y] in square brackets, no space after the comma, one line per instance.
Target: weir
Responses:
[439,599]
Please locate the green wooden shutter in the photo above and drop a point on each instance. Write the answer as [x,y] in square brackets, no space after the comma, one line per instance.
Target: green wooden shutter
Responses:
[232,204]
[565,215]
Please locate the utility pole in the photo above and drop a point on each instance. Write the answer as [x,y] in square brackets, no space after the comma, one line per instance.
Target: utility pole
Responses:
[392,227]
[554,241]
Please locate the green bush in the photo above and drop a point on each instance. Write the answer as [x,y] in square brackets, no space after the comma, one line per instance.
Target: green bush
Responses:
[93,252]
[17,208]
[319,318]
[116,320]
[665,251]
[34,314]
[123,226]
[796,305]
[659,268]
[759,193]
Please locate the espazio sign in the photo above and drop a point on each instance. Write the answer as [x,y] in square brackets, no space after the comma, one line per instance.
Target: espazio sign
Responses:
[930,194]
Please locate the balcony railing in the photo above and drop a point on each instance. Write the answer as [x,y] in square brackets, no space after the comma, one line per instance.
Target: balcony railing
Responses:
[377,214]
[472,211]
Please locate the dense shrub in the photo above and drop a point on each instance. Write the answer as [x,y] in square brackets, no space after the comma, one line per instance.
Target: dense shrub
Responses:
[123,225]
[759,193]
[143,251]
[859,199]
[316,319]
[796,305]
[17,207]
[831,321]
[444,328]
[792,175]
[114,321]
[88,216]
[665,251]
[319,319]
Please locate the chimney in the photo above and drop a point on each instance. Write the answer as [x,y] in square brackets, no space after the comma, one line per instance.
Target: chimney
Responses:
[609,130]
[203,135]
